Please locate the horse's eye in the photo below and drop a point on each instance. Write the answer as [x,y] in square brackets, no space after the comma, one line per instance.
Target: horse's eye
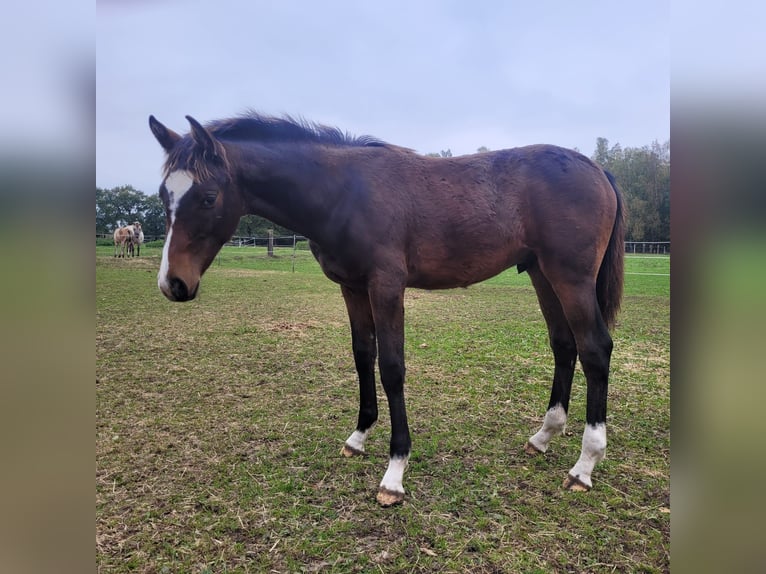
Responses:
[209,200]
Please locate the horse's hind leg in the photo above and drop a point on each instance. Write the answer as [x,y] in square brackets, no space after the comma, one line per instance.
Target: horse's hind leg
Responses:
[594,347]
[364,347]
[562,343]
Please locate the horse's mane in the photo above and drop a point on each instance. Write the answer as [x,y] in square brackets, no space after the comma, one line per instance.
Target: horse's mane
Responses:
[255,127]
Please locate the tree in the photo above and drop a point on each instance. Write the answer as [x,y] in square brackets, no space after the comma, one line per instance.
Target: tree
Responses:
[643,175]
[117,206]
[153,222]
[123,205]
[601,155]
[255,226]
[442,153]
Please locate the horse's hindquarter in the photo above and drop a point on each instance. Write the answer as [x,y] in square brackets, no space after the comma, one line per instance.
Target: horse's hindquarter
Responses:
[569,206]
[479,215]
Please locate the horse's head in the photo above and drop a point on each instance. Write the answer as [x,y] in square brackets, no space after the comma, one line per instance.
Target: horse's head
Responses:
[202,206]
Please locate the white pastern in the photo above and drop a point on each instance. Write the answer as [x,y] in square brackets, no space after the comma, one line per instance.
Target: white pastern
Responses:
[593,451]
[177,183]
[357,439]
[554,423]
[392,480]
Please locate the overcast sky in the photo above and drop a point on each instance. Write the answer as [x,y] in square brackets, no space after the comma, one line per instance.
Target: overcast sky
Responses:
[427,74]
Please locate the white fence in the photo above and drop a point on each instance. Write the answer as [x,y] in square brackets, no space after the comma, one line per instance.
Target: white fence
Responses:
[282,241]
[277,241]
[147,238]
[659,247]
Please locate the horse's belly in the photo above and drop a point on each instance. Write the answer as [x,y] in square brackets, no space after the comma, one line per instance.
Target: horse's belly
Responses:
[460,271]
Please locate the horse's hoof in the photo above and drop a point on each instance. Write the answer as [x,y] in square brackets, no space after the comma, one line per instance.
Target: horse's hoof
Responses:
[349,451]
[531,449]
[388,498]
[574,484]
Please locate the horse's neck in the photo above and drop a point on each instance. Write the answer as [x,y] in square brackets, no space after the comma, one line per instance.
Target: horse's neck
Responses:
[294,189]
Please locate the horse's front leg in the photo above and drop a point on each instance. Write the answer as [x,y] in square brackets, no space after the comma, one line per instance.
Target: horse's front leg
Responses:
[364,347]
[388,312]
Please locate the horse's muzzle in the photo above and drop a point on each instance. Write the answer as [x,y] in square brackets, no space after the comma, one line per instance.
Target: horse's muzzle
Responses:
[178,290]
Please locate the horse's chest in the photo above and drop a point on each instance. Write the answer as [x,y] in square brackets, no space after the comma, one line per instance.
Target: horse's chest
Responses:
[339,267]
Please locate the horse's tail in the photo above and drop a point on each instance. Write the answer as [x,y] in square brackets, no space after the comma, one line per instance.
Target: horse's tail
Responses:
[611,274]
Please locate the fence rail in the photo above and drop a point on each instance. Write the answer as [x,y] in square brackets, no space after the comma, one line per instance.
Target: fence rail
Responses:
[278,241]
[282,241]
[657,247]
[147,238]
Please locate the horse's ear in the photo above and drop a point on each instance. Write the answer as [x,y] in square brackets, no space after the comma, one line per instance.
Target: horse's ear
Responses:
[203,138]
[165,136]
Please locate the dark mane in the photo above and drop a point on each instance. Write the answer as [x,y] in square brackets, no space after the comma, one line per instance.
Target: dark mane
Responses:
[255,127]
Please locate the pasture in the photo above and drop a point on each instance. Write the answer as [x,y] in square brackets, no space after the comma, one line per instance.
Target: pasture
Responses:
[220,421]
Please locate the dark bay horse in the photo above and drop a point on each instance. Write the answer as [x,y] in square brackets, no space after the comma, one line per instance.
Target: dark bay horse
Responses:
[382,218]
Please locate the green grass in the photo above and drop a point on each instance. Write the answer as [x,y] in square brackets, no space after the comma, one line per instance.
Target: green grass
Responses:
[219,425]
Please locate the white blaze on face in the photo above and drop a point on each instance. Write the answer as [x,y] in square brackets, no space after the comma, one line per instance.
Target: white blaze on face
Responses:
[177,184]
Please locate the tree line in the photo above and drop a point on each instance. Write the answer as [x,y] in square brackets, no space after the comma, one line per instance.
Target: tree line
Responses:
[123,205]
[642,173]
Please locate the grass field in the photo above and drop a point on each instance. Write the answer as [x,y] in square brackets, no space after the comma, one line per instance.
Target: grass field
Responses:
[220,421]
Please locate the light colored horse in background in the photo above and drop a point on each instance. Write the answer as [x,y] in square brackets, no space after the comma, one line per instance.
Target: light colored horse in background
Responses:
[123,241]
[138,238]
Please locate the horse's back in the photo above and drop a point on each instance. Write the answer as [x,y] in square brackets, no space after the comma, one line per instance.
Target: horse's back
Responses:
[451,222]
[477,215]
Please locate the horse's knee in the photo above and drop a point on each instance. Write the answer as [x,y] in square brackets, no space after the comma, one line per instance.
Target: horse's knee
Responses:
[563,343]
[392,376]
[596,359]
[564,350]
[364,356]
[369,413]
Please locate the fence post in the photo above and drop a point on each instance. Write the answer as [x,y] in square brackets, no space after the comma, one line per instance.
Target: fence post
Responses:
[270,246]
[295,246]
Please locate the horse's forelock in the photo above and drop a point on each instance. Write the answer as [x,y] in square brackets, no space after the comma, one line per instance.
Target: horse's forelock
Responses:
[187,156]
